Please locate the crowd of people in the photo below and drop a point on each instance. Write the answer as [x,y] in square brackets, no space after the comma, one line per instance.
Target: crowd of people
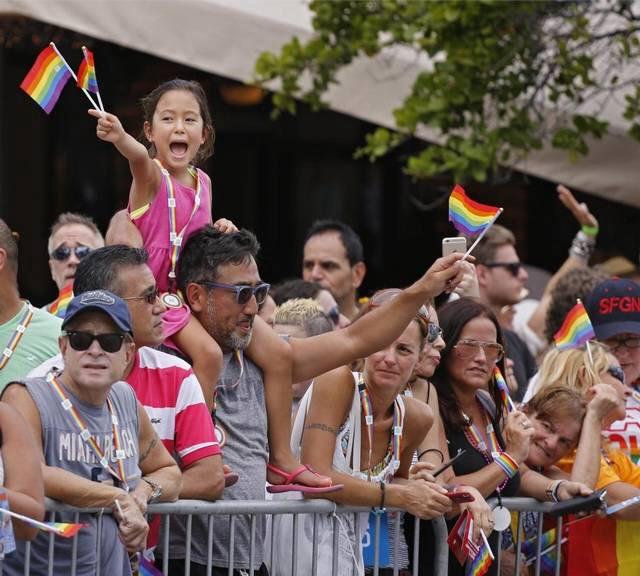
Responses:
[167,369]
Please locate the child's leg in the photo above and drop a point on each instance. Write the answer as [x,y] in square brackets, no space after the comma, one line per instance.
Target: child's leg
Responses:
[205,354]
[272,354]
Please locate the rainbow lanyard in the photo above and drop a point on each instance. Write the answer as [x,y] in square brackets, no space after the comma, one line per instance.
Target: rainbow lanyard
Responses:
[477,441]
[89,438]
[21,328]
[175,237]
[367,410]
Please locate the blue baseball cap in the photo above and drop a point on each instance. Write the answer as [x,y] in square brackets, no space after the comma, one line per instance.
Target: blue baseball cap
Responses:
[102,301]
[614,308]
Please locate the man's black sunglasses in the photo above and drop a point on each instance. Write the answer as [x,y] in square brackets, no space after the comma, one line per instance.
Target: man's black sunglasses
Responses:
[243,293]
[62,253]
[81,341]
[512,267]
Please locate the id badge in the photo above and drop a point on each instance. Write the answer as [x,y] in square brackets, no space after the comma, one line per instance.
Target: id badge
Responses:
[368,541]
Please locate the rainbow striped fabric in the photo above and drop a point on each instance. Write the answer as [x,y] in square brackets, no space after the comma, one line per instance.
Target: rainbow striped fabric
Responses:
[481,563]
[64,529]
[59,306]
[575,330]
[46,79]
[146,568]
[503,388]
[469,217]
[87,78]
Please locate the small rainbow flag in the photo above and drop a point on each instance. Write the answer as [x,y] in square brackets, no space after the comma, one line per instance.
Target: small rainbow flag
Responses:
[87,78]
[59,306]
[469,217]
[504,389]
[481,563]
[64,529]
[575,330]
[146,568]
[46,79]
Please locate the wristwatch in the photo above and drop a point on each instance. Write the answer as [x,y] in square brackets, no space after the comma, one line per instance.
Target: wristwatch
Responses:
[156,491]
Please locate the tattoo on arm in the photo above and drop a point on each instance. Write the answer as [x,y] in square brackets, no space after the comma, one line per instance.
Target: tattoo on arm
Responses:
[146,453]
[323,427]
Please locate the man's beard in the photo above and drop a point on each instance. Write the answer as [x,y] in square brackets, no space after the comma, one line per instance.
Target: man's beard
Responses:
[228,340]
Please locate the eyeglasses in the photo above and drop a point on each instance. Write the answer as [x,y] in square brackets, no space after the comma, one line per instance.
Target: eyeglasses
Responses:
[433,332]
[383,296]
[62,253]
[466,349]
[616,372]
[243,293]
[81,341]
[149,297]
[334,315]
[512,267]
[629,342]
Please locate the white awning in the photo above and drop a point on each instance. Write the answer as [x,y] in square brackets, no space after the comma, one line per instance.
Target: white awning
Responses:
[225,37]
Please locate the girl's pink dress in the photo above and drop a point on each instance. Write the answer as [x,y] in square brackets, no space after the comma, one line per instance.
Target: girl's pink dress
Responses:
[153,221]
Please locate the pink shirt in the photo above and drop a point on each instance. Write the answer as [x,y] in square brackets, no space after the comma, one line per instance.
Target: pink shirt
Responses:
[153,221]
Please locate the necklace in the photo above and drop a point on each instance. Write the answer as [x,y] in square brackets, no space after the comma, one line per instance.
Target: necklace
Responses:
[175,237]
[476,440]
[88,437]
[396,428]
[11,346]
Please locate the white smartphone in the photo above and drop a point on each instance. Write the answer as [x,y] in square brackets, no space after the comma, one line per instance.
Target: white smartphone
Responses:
[451,245]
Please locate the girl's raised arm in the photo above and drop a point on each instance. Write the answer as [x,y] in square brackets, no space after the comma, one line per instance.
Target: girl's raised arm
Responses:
[146,175]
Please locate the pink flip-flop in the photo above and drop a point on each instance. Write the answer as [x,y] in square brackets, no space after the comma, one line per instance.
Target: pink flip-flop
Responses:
[290,486]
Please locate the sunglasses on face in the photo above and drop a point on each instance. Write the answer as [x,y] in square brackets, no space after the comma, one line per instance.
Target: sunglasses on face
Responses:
[149,297]
[630,342]
[62,253]
[466,349]
[433,332]
[82,341]
[512,267]
[243,293]
[616,372]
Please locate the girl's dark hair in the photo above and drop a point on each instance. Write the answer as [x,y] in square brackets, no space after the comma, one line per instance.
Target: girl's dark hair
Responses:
[454,316]
[150,103]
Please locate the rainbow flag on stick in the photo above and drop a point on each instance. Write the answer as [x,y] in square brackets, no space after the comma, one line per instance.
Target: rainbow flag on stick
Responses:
[46,79]
[64,529]
[87,78]
[481,563]
[146,568]
[469,217]
[576,329]
[504,390]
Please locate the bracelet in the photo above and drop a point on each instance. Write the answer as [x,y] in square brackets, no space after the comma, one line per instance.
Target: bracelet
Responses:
[381,509]
[553,489]
[421,454]
[582,246]
[508,465]
[590,230]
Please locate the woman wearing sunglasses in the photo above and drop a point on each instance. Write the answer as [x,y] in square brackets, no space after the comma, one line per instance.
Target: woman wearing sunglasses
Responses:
[357,428]
[473,414]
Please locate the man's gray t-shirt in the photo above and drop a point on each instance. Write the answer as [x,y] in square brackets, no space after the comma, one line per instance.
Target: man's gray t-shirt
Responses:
[241,426]
[63,447]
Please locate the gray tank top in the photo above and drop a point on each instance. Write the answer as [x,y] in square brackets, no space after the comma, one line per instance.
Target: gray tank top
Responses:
[63,447]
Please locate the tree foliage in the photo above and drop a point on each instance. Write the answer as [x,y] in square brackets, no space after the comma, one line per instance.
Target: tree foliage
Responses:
[506,77]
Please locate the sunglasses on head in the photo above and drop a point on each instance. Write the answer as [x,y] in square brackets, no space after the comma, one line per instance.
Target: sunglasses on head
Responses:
[433,332]
[616,372]
[62,253]
[82,341]
[512,267]
[243,293]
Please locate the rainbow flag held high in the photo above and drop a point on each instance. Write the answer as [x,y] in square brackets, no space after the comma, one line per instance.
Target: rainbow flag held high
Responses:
[503,389]
[576,329]
[469,217]
[481,563]
[46,79]
[59,306]
[87,78]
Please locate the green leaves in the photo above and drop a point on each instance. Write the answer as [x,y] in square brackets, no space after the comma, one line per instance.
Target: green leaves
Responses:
[506,77]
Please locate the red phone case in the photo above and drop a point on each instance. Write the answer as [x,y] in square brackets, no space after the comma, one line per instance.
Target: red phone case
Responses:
[460,497]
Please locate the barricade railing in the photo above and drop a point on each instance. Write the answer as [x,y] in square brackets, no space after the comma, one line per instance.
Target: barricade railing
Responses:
[253,510]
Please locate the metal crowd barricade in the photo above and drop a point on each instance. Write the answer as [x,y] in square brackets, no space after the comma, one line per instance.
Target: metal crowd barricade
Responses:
[252,509]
